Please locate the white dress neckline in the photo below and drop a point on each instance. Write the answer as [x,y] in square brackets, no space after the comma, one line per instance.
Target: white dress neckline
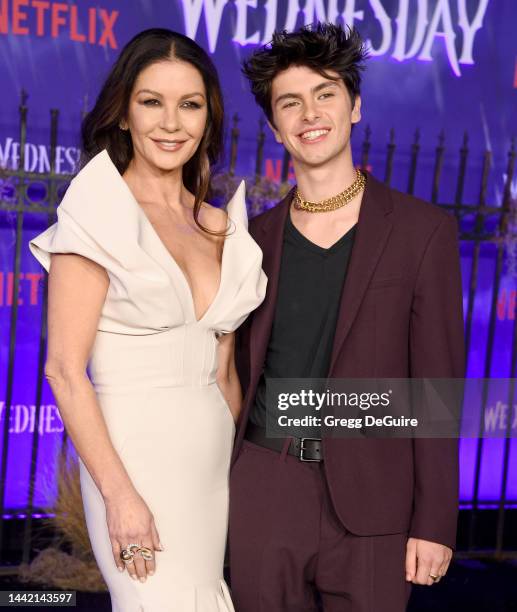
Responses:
[169,258]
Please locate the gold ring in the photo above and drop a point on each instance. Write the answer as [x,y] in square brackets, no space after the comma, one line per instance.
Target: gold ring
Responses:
[146,553]
[434,577]
[126,555]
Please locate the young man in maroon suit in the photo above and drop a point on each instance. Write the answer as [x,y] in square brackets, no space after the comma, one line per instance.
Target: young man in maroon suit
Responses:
[364,282]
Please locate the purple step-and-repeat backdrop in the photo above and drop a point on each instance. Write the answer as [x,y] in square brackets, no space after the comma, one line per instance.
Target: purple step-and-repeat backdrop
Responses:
[436,65]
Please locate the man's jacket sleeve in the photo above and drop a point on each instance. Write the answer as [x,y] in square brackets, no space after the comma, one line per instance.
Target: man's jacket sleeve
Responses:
[437,350]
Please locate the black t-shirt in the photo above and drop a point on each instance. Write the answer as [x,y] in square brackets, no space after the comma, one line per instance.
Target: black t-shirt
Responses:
[310,284]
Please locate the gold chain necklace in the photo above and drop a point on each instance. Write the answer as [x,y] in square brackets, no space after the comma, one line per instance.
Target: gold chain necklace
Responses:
[337,201]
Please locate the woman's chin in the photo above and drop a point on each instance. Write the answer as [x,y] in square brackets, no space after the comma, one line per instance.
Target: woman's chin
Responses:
[166,162]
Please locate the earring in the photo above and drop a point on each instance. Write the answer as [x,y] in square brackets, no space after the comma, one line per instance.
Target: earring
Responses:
[124,129]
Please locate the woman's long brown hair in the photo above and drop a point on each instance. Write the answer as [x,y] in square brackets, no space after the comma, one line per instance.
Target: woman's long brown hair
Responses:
[100,128]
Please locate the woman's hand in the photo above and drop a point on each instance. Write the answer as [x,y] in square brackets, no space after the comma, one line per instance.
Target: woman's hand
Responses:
[130,522]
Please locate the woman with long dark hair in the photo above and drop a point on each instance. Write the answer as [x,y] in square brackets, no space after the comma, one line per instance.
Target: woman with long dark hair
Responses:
[147,285]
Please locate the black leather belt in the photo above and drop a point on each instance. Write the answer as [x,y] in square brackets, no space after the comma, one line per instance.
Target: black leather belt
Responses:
[306,449]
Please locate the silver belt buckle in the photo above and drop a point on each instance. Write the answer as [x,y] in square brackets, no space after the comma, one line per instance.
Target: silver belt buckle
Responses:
[302,449]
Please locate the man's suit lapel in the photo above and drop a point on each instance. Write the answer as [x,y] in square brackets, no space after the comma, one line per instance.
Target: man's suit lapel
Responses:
[373,228]
[271,242]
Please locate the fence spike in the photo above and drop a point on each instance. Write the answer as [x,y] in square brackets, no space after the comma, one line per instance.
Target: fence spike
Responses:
[441,138]
[366,147]
[84,110]
[234,142]
[54,117]
[260,149]
[415,149]
[462,170]
[438,167]
[389,157]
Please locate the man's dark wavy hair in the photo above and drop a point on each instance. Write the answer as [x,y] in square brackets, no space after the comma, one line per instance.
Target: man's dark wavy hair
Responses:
[321,47]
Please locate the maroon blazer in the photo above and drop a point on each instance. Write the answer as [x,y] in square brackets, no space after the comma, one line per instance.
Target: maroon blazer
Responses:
[400,316]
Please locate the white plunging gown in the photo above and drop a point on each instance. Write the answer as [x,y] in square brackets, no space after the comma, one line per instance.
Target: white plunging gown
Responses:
[153,367]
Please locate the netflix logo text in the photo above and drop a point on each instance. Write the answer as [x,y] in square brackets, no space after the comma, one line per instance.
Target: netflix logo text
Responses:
[28,285]
[93,25]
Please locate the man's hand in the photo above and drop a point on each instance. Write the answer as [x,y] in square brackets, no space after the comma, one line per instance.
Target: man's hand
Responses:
[424,558]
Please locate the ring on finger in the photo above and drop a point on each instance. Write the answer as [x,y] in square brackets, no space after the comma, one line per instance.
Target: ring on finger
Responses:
[146,553]
[127,555]
[128,552]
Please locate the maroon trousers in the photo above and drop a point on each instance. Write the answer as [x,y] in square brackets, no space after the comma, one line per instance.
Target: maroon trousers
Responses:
[288,549]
